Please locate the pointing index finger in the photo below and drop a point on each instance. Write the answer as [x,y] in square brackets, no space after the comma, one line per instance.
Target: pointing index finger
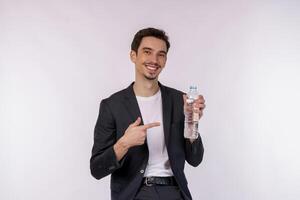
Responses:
[150,125]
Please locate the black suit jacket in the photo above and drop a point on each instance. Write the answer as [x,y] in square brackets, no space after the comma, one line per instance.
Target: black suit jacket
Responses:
[116,113]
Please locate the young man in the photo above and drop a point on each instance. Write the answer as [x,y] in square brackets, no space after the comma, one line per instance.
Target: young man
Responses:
[139,134]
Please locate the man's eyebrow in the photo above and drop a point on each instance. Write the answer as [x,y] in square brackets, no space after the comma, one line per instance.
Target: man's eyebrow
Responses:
[148,48]
[162,51]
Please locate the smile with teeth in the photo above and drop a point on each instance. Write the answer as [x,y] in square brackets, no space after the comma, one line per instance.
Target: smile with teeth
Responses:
[151,67]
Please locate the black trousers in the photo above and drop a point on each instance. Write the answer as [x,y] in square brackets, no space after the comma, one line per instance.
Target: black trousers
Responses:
[159,192]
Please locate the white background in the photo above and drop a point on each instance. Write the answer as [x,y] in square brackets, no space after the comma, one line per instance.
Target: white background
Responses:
[58,59]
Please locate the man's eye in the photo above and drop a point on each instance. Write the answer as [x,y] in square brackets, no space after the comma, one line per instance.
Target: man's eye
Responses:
[162,55]
[147,52]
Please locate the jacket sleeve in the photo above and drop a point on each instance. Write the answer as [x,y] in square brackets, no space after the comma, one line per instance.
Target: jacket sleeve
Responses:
[194,151]
[103,160]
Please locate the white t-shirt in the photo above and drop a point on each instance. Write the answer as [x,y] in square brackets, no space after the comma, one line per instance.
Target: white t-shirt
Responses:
[151,110]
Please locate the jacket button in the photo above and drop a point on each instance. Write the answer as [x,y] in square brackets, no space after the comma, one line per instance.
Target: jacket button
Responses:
[142,171]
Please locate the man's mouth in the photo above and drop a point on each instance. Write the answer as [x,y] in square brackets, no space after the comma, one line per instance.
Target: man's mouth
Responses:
[151,67]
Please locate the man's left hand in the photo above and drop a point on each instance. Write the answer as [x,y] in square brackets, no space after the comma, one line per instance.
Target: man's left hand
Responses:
[198,107]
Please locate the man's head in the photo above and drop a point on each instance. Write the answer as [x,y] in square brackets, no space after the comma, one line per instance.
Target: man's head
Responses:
[149,50]
[149,32]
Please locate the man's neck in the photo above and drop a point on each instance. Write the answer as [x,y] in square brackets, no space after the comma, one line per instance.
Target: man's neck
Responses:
[145,88]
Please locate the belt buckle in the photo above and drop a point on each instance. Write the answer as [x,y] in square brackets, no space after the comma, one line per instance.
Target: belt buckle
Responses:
[146,181]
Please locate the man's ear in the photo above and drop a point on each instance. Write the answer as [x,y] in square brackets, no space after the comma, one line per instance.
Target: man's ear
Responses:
[133,56]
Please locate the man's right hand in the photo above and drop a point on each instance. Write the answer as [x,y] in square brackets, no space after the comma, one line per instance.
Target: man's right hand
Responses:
[134,135]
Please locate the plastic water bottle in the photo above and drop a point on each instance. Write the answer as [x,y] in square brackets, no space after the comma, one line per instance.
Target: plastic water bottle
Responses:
[191,118]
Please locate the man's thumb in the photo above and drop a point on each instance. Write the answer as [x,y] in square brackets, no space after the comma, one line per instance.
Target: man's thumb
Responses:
[137,122]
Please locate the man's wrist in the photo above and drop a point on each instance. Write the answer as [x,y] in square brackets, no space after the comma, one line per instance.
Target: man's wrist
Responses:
[192,140]
[123,144]
[120,149]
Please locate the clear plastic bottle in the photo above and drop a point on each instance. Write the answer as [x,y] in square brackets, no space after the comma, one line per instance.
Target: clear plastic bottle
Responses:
[191,118]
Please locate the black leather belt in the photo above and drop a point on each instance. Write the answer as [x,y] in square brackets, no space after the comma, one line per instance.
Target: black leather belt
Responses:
[153,180]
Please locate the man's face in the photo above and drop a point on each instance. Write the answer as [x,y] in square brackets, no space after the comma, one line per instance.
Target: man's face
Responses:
[150,58]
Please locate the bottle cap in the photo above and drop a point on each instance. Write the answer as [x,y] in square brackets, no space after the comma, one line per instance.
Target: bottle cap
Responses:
[192,87]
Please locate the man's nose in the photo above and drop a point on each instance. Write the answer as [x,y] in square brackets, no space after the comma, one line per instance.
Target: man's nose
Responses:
[154,58]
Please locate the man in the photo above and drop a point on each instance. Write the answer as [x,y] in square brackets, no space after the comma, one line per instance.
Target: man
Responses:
[139,134]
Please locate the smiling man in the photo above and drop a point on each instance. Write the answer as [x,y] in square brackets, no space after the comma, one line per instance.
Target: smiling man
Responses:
[139,134]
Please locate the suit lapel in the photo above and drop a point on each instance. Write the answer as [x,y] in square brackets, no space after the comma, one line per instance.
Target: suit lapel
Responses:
[132,104]
[167,111]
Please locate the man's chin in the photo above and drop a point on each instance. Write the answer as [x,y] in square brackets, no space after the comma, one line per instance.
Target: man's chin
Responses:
[150,78]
